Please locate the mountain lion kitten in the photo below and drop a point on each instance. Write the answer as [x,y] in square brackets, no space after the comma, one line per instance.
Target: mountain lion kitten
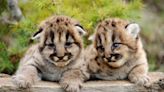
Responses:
[56,57]
[117,52]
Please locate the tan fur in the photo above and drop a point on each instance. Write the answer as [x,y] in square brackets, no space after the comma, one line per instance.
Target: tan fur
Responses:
[127,61]
[57,56]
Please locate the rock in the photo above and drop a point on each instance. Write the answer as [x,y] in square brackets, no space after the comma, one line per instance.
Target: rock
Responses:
[90,86]
[4,75]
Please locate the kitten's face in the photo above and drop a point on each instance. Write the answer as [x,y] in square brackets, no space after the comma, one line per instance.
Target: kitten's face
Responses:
[61,42]
[114,45]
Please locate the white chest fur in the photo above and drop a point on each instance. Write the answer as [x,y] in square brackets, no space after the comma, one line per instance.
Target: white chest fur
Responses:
[50,72]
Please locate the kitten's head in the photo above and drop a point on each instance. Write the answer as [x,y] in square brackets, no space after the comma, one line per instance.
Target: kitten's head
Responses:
[60,40]
[116,41]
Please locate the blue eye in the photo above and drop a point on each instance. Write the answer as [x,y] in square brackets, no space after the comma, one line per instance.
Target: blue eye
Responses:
[116,45]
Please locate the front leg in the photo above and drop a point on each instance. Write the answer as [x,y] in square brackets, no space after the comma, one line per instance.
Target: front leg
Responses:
[25,76]
[72,80]
[139,75]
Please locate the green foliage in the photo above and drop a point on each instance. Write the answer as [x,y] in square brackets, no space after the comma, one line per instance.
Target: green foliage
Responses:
[88,12]
[3,4]
[5,64]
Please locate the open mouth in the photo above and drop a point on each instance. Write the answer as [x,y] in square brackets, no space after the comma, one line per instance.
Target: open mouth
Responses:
[113,58]
[62,63]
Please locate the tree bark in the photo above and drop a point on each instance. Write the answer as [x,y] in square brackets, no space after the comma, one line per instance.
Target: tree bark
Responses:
[14,9]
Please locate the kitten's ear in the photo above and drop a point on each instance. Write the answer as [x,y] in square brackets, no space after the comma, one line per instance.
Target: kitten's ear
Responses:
[92,37]
[80,29]
[133,29]
[37,34]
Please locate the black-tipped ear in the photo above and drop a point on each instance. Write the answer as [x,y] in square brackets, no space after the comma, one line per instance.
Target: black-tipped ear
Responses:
[37,34]
[133,29]
[80,29]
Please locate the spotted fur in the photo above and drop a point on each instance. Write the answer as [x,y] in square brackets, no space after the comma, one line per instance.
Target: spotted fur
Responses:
[117,52]
[56,57]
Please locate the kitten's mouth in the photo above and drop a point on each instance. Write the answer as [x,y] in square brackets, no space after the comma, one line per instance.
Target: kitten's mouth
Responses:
[116,60]
[113,58]
[61,62]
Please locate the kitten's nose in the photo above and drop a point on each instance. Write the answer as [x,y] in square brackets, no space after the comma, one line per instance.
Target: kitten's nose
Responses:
[116,56]
[61,57]
[108,56]
[108,53]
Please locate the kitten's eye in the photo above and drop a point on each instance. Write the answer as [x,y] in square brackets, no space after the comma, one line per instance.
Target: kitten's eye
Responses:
[115,45]
[68,44]
[101,48]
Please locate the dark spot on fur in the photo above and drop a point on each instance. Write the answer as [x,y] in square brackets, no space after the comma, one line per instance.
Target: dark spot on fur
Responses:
[41,49]
[51,25]
[66,24]
[52,35]
[113,37]
[98,63]
[105,29]
[106,22]
[78,44]
[99,38]
[99,26]
[60,34]
[57,21]
[99,71]
[67,35]
[96,58]
[113,24]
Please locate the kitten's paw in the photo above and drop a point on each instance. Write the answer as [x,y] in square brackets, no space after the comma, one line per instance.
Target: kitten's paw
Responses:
[71,85]
[21,81]
[142,80]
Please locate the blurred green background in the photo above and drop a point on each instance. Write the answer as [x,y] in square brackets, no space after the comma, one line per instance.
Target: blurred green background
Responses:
[16,30]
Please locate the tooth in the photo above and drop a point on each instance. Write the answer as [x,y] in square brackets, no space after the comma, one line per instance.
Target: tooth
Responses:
[56,59]
[112,58]
[65,58]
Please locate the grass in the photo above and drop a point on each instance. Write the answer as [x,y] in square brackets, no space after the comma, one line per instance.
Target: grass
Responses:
[88,12]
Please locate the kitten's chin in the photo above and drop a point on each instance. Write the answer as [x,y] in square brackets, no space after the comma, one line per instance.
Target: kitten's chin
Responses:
[117,64]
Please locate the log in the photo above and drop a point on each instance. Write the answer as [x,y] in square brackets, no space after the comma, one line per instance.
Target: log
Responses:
[156,85]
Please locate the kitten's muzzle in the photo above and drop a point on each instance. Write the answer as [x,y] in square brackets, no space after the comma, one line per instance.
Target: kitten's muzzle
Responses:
[113,57]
